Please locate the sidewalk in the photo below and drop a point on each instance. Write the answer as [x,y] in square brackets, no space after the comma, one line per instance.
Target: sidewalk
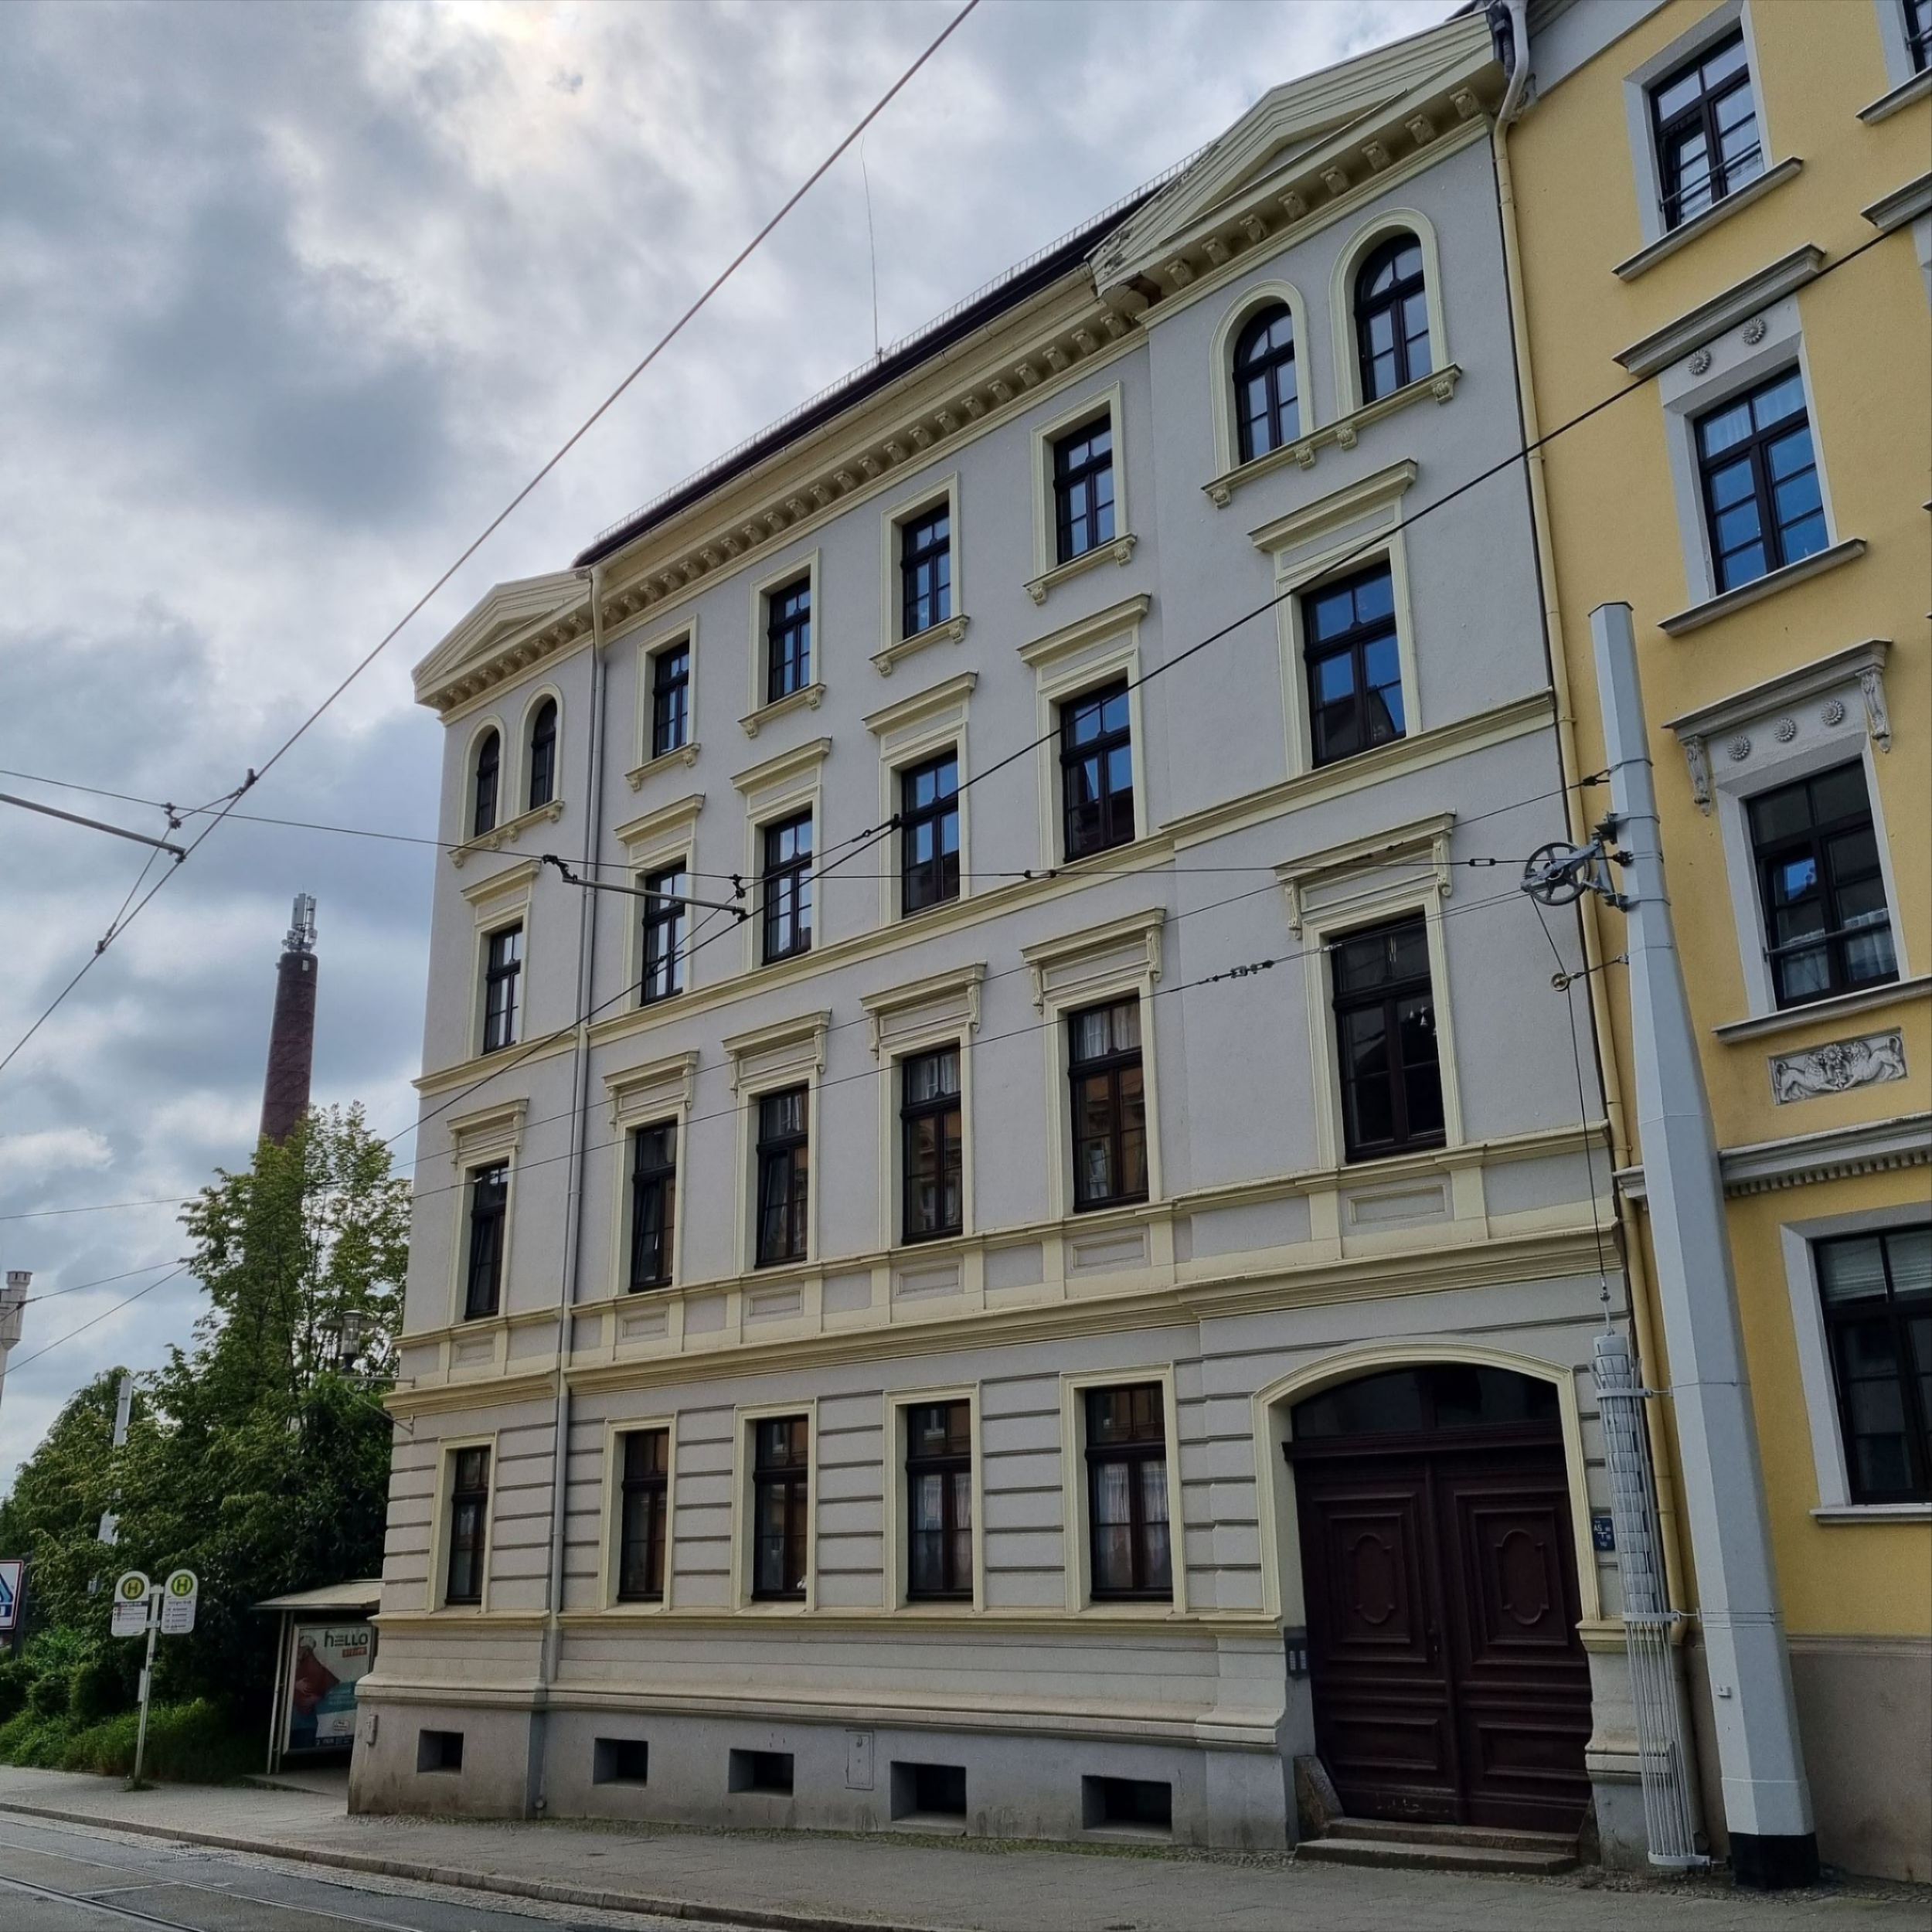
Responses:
[810,1883]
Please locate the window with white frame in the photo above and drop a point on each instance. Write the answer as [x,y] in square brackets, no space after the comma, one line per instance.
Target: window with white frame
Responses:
[1875,1293]
[1704,123]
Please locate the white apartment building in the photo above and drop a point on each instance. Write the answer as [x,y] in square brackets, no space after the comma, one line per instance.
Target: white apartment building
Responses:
[1071,1314]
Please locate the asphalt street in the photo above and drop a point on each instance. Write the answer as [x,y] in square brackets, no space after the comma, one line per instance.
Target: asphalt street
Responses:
[62,1878]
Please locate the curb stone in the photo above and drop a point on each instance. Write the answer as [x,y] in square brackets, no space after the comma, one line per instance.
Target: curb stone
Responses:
[547,1891]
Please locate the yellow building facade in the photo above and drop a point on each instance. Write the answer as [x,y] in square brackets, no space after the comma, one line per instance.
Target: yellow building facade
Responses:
[1724,213]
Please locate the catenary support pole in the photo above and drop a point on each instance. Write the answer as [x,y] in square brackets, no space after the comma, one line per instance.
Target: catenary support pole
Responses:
[1767,1803]
[147,1686]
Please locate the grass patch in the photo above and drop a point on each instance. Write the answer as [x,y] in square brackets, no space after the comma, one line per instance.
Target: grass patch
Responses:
[187,1744]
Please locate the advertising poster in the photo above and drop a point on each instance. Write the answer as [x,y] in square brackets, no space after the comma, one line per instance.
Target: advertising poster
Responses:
[330,1659]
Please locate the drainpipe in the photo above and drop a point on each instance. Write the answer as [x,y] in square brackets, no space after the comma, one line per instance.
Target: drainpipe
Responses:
[537,1797]
[1577,811]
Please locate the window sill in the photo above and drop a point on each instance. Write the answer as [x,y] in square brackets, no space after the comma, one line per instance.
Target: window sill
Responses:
[1768,586]
[1343,433]
[1917,88]
[685,755]
[951,631]
[1891,213]
[1687,232]
[507,833]
[1790,1020]
[1873,1513]
[808,697]
[1118,549]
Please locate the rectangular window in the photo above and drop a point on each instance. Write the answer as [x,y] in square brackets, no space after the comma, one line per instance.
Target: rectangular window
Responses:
[502,975]
[928,833]
[781,1504]
[1127,1492]
[1706,120]
[670,699]
[643,1515]
[784,1176]
[1354,667]
[1109,1105]
[1096,770]
[1759,472]
[469,1525]
[785,888]
[1083,489]
[1877,1293]
[787,640]
[666,916]
[931,1125]
[1918,33]
[926,570]
[939,1493]
[1385,1023]
[653,1204]
[489,1206]
[1827,926]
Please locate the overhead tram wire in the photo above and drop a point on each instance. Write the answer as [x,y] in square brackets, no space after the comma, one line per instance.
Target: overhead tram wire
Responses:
[94,1320]
[257,773]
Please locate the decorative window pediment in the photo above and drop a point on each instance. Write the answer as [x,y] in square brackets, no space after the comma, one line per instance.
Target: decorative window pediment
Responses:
[943,1002]
[1121,952]
[490,1132]
[794,1048]
[648,1092]
[507,891]
[1365,874]
[668,829]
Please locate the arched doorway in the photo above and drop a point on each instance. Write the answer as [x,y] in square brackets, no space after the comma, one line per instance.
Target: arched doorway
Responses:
[1439,1568]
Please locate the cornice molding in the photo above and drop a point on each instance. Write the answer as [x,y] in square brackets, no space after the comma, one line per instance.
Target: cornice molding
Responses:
[1725,310]
[948,696]
[786,765]
[513,879]
[1915,87]
[514,626]
[665,822]
[1839,1153]
[1070,638]
[1385,488]
[509,833]
[1892,212]
[1423,840]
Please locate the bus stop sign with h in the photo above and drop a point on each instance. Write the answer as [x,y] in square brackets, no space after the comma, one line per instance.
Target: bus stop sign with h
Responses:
[142,1608]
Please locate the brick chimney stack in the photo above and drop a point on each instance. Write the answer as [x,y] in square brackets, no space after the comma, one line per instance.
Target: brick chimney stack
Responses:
[291,1039]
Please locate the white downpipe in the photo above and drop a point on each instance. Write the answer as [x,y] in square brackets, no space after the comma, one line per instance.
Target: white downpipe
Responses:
[1519,12]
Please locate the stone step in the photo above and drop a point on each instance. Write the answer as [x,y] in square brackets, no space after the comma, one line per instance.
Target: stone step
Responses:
[1412,1832]
[1543,1855]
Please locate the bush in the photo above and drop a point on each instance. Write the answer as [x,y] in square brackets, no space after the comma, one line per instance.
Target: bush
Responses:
[15,1678]
[48,1697]
[187,1744]
[96,1688]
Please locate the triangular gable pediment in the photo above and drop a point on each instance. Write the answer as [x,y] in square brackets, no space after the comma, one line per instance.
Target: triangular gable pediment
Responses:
[507,619]
[1292,132]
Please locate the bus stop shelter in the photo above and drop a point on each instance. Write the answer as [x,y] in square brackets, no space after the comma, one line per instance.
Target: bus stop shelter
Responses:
[325,1646]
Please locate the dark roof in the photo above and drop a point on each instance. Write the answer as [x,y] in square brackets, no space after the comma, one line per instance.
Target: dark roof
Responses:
[1017,286]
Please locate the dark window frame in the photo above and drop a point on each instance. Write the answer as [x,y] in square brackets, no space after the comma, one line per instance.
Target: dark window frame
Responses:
[670,697]
[1817,840]
[1389,998]
[1114,807]
[788,616]
[542,789]
[653,1206]
[1109,1069]
[932,879]
[502,982]
[1773,533]
[952,1458]
[1141,1445]
[784,888]
[926,568]
[1279,417]
[1918,34]
[661,940]
[1413,357]
[1899,1311]
[469,1538]
[782,1165]
[486,776]
[1085,487]
[1698,118]
[781,1467]
[947,1110]
[1355,643]
[487,1230]
[644,1513]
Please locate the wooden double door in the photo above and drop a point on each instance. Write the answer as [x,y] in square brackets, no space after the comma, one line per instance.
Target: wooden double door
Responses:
[1450,1684]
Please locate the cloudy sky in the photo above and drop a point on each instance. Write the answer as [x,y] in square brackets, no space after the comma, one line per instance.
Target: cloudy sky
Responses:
[292,299]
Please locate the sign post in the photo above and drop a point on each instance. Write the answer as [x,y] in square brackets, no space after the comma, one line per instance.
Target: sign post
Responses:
[144,1608]
[13,1601]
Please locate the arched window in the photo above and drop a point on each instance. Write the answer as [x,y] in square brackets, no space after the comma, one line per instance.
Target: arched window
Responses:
[1392,318]
[543,754]
[1267,409]
[489,757]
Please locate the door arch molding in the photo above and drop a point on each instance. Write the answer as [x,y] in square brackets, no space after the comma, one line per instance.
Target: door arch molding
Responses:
[1273,1402]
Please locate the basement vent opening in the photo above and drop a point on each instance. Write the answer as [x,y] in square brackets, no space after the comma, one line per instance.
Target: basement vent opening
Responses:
[768,1773]
[619,1760]
[1128,1803]
[928,1791]
[438,1750]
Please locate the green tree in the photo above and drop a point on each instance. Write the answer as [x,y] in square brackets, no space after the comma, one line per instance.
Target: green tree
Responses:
[258,1456]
